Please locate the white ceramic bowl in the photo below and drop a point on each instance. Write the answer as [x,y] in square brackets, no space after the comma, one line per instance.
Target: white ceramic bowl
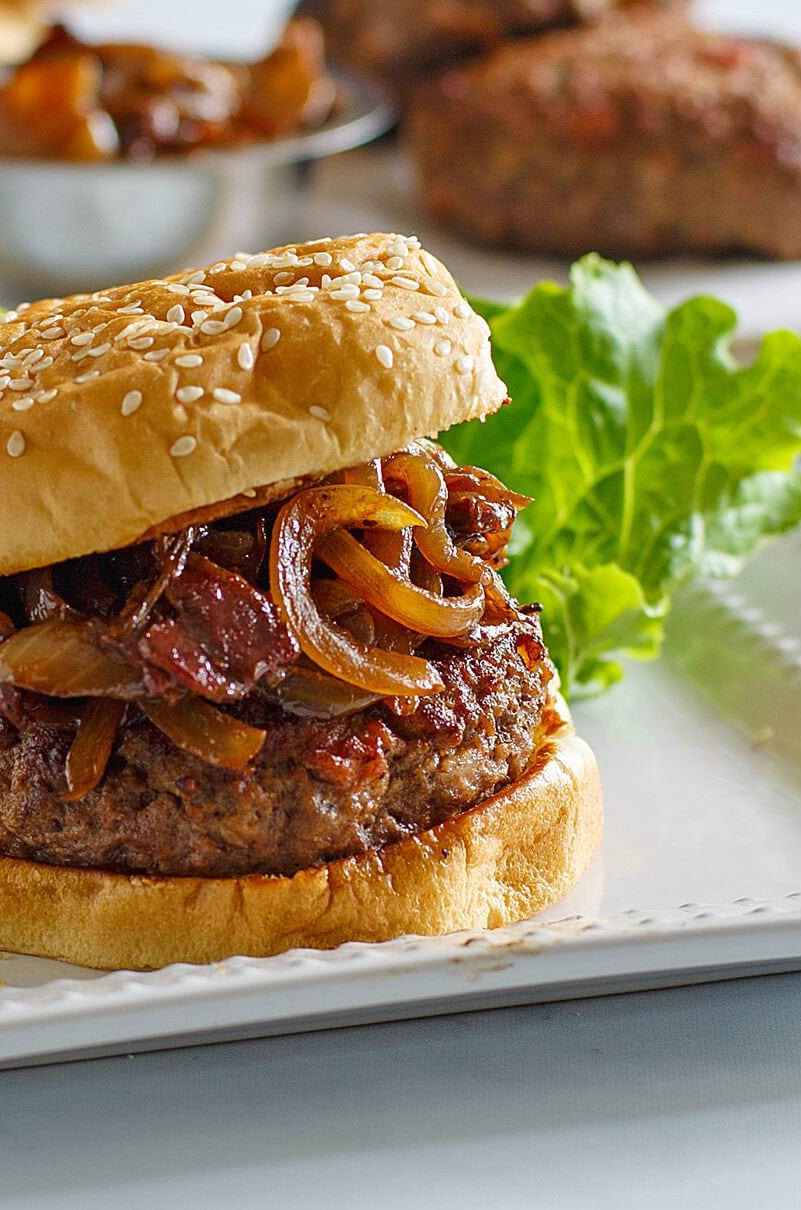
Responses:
[67,227]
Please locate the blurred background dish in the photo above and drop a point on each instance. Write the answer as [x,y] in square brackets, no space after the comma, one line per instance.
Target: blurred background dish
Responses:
[127,160]
[72,226]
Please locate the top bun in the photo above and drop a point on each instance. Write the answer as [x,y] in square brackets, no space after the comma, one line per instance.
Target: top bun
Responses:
[124,409]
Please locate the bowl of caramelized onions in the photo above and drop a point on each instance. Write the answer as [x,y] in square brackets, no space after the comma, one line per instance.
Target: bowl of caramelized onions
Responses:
[125,162]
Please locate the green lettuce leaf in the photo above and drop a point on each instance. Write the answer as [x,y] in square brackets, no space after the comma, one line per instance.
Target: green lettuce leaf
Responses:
[652,454]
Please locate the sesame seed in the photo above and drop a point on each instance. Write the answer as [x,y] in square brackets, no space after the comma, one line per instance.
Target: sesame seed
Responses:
[183,446]
[157,354]
[131,402]
[189,361]
[134,308]
[212,327]
[436,287]
[464,365]
[394,263]
[176,314]
[323,258]
[244,296]
[79,356]
[46,396]
[180,414]
[33,356]
[175,287]
[325,281]
[385,356]
[223,395]
[345,292]
[429,262]
[4,381]
[195,279]
[401,322]
[373,295]
[220,267]
[284,278]
[87,377]
[189,394]
[424,317]
[370,279]
[246,357]
[405,283]
[355,304]
[106,348]
[9,317]
[15,446]
[346,264]
[21,384]
[44,364]
[238,265]
[138,343]
[24,404]
[233,317]
[52,333]
[462,310]
[270,338]
[442,348]
[83,338]
[319,413]
[442,315]
[198,317]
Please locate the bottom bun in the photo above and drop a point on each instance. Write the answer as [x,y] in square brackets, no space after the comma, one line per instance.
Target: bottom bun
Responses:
[501,861]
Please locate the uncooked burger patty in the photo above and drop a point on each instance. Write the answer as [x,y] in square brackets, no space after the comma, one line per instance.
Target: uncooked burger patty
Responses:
[318,791]
[637,137]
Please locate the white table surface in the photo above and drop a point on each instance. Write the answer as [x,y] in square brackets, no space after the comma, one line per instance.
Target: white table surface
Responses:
[686,1098]
[681,1098]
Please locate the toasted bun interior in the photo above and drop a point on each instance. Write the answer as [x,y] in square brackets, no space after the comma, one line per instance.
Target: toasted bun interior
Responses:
[499,862]
[124,408]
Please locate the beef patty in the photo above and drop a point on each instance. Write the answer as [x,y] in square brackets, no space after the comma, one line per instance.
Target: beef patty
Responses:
[318,790]
[640,136]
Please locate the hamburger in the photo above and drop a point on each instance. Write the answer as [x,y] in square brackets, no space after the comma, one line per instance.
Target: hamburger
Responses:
[261,683]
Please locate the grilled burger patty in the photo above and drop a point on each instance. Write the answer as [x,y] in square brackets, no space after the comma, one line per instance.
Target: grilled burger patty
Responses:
[319,790]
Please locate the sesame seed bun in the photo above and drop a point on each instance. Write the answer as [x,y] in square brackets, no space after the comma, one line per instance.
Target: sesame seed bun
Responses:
[125,409]
[502,861]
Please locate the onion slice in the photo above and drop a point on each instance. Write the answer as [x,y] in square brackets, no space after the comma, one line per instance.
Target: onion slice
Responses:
[312,693]
[440,617]
[428,493]
[205,732]
[302,523]
[64,659]
[91,748]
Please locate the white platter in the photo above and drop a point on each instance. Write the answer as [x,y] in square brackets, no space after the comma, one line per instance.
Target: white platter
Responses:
[699,876]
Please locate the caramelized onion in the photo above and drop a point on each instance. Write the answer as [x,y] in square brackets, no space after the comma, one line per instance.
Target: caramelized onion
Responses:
[427,492]
[91,748]
[206,732]
[171,552]
[440,617]
[301,524]
[313,693]
[64,659]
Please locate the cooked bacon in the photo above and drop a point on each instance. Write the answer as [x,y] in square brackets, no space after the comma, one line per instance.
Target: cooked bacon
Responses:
[187,617]
[236,624]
